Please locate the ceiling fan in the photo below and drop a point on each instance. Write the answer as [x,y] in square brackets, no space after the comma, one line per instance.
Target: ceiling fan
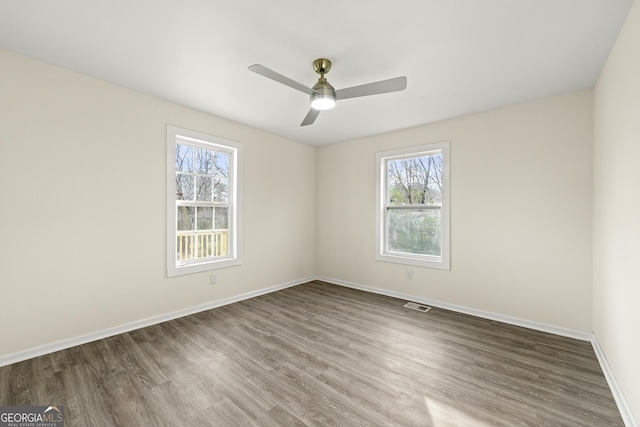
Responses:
[323,95]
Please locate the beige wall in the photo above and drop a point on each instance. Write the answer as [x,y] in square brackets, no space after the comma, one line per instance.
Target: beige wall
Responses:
[616,255]
[82,220]
[520,212]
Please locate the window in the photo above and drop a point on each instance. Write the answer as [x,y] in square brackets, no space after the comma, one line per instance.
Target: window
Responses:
[412,206]
[204,184]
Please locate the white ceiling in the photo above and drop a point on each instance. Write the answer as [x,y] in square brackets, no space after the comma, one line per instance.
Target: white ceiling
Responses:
[460,56]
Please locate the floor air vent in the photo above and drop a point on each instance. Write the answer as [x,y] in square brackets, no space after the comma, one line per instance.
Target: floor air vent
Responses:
[418,307]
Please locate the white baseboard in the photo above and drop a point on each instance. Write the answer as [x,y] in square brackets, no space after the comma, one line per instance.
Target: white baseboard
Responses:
[543,327]
[621,401]
[94,336]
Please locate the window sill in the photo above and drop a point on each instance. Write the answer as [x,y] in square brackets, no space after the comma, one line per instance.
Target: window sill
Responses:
[418,261]
[203,266]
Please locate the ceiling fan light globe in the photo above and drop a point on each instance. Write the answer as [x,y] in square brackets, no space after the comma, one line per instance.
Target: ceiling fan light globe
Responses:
[321,102]
[324,97]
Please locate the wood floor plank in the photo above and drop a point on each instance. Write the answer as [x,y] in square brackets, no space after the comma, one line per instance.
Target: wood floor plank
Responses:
[321,355]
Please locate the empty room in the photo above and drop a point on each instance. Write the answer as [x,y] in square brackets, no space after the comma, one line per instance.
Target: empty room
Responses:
[418,213]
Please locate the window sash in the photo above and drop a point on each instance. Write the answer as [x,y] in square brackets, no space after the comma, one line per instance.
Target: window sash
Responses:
[413,236]
[220,238]
[413,207]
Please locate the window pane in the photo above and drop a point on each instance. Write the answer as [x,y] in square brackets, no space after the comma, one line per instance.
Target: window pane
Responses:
[186,218]
[184,187]
[221,161]
[414,231]
[184,158]
[204,189]
[222,218]
[204,161]
[416,180]
[205,218]
[221,190]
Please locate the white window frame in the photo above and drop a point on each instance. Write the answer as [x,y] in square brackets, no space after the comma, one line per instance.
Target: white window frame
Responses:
[176,135]
[382,254]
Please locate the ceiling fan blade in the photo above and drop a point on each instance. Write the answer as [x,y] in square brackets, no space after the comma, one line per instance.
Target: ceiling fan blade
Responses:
[270,74]
[311,117]
[384,86]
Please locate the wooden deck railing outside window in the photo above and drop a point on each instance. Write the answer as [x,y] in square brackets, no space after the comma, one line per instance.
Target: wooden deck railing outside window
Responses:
[202,245]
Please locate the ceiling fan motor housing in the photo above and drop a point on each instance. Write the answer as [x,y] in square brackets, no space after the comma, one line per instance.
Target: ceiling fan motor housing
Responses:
[324,97]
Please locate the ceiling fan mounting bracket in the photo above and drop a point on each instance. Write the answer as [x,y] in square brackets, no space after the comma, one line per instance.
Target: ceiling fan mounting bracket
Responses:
[321,66]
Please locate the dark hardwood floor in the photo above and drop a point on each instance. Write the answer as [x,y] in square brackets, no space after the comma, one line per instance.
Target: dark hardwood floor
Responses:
[321,355]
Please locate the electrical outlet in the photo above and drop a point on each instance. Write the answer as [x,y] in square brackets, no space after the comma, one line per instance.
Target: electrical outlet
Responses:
[212,279]
[410,274]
